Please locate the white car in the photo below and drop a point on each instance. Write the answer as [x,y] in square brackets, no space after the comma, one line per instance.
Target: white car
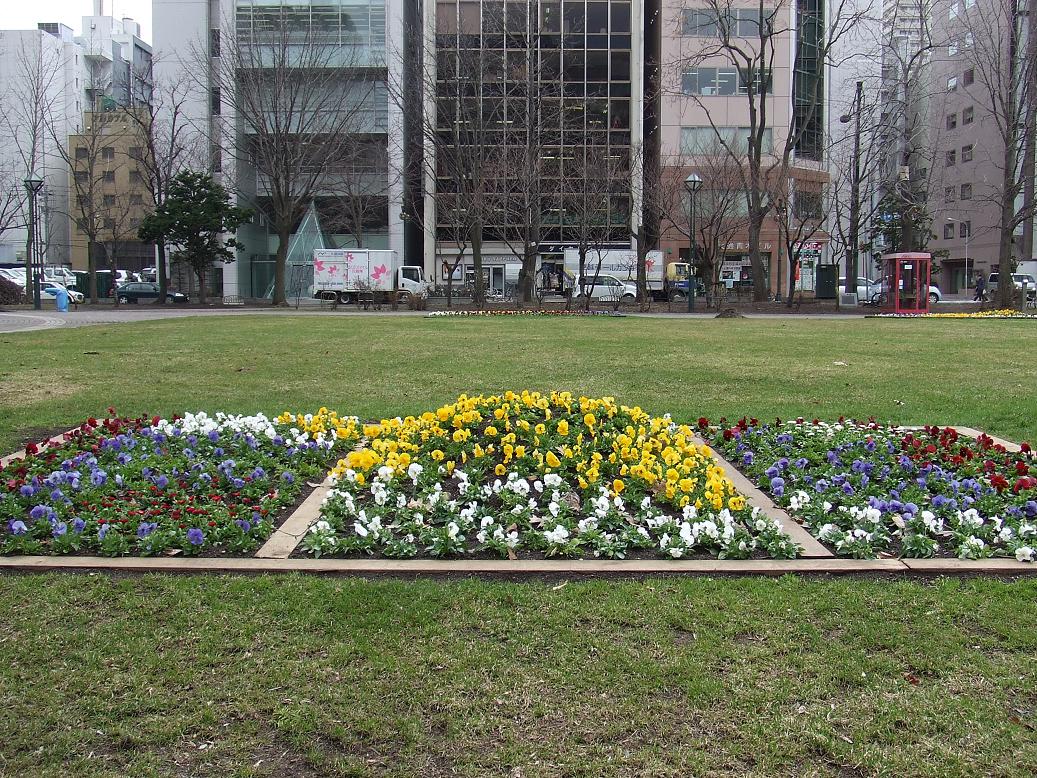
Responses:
[605,287]
[866,289]
[14,275]
[49,291]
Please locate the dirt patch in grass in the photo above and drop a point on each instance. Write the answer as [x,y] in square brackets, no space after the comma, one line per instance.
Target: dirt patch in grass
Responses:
[39,385]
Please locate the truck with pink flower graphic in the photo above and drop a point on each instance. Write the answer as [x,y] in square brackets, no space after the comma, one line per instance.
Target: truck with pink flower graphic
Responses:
[353,275]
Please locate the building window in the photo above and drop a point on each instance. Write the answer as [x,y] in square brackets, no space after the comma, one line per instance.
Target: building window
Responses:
[108,153]
[721,82]
[966,153]
[952,83]
[950,158]
[136,177]
[136,199]
[968,41]
[81,152]
[965,229]
[109,176]
[109,200]
[949,194]
[966,191]
[739,22]
[707,140]
[952,49]
[807,205]
[952,121]
[948,231]
[214,100]
[968,77]
[214,43]
[966,115]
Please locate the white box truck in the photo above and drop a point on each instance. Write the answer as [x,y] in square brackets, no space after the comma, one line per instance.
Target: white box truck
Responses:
[621,264]
[346,274]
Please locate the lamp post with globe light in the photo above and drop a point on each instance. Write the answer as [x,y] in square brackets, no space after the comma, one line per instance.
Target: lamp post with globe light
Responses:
[692,183]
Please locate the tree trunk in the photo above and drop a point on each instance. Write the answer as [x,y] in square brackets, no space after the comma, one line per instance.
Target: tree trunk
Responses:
[1005,263]
[479,295]
[91,270]
[201,285]
[644,298]
[760,280]
[160,269]
[284,235]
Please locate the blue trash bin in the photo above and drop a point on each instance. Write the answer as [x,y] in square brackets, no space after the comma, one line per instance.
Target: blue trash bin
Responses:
[61,300]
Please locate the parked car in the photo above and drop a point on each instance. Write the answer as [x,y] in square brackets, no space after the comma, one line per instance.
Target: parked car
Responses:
[866,290]
[13,275]
[49,290]
[1021,281]
[136,291]
[607,288]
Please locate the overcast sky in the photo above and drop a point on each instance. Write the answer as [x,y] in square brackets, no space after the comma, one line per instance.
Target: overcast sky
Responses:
[24,14]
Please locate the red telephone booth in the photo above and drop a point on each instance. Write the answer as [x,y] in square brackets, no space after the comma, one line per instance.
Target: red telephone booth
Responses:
[905,282]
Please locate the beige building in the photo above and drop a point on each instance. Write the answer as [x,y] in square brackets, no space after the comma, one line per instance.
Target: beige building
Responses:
[704,100]
[968,146]
[109,194]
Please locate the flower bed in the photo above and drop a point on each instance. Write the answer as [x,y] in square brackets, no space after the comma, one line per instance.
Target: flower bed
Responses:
[534,474]
[439,314]
[1002,313]
[867,490]
[196,484]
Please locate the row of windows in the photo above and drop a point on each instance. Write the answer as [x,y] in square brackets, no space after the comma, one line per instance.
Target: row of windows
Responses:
[360,22]
[709,140]
[967,42]
[723,81]
[956,8]
[967,116]
[498,113]
[964,230]
[495,18]
[951,157]
[496,65]
[108,153]
[968,78]
[737,22]
[951,193]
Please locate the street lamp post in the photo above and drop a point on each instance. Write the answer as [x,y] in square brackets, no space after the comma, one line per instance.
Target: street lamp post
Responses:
[952,220]
[692,183]
[853,249]
[33,260]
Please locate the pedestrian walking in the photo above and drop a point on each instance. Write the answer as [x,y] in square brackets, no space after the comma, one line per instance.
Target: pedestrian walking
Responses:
[981,290]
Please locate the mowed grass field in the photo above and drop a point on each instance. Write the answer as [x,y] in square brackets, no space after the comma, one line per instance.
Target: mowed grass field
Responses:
[978,373]
[297,676]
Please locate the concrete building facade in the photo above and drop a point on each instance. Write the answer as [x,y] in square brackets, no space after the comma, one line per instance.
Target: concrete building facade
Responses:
[106,66]
[705,114]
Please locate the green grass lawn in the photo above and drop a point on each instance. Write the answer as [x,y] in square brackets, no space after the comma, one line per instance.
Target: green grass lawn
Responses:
[278,676]
[298,676]
[979,373]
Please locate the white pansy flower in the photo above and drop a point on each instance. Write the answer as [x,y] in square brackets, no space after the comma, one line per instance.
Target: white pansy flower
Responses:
[1024,554]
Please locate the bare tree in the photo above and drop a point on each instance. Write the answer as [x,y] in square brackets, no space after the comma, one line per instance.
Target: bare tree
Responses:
[751,39]
[720,213]
[166,143]
[27,121]
[93,163]
[456,148]
[299,97]
[1005,90]
[799,207]
[590,181]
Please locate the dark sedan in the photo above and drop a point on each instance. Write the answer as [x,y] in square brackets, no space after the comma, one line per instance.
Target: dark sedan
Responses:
[136,291]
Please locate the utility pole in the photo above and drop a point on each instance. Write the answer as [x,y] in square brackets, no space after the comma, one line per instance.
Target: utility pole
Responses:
[853,247]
